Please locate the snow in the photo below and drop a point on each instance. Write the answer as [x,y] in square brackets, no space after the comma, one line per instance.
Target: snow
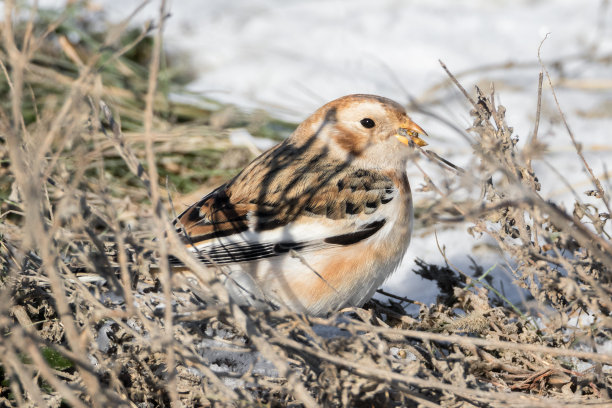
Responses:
[242,137]
[290,57]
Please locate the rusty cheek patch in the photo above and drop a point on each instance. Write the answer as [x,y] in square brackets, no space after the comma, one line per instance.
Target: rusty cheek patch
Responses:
[351,142]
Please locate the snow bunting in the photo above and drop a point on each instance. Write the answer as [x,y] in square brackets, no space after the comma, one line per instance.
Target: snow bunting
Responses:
[319,221]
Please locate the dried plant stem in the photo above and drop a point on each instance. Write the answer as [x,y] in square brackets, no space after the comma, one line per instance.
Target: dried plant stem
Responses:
[32,195]
[498,344]
[396,378]
[24,374]
[601,248]
[159,214]
[602,194]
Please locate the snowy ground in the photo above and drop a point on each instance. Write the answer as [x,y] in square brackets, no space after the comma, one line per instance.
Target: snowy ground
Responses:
[290,57]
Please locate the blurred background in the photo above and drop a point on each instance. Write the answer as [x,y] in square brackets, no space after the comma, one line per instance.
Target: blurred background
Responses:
[290,57]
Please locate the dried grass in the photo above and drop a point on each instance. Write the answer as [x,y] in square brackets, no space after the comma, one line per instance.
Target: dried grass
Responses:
[69,211]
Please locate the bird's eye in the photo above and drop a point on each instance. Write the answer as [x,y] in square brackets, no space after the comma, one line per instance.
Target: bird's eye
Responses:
[367,123]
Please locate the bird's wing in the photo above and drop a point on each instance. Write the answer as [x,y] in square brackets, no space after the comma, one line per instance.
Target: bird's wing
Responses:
[270,209]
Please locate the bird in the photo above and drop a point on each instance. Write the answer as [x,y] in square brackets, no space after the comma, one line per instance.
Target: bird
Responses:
[318,222]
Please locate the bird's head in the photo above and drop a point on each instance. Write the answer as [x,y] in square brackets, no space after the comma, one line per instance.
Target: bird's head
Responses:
[366,128]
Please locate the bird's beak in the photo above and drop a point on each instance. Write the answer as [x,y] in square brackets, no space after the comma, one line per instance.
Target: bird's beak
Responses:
[409,133]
